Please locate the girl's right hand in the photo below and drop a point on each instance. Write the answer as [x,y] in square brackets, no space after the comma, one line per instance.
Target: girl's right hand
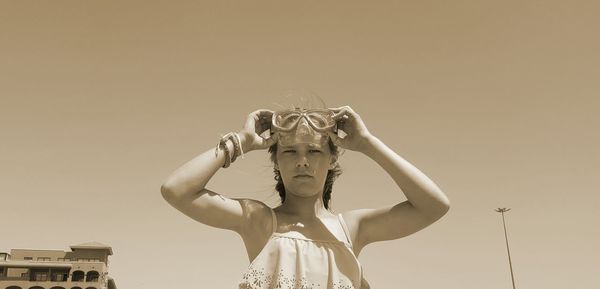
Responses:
[257,122]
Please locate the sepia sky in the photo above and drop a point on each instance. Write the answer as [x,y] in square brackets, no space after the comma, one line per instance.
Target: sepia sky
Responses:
[496,101]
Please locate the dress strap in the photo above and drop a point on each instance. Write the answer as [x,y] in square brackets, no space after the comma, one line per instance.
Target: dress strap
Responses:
[345,228]
[274,228]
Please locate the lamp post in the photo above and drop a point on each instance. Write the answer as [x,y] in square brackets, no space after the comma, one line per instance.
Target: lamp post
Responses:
[512,277]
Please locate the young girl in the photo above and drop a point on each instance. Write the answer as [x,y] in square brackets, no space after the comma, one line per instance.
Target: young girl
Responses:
[301,243]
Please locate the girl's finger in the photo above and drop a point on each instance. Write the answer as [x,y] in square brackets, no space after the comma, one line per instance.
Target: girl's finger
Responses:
[335,138]
[265,114]
[338,115]
[258,119]
[341,123]
[341,107]
[273,139]
[267,142]
[261,114]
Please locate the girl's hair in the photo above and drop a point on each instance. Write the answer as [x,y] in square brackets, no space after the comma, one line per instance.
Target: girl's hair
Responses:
[332,174]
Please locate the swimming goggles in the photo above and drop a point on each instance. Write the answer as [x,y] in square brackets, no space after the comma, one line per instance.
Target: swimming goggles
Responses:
[321,120]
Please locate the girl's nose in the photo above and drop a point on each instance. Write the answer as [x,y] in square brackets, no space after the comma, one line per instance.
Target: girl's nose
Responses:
[302,162]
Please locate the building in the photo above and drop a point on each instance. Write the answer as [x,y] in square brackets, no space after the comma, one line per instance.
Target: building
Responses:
[84,267]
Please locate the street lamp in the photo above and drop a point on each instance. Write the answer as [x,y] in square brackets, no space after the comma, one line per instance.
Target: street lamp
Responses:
[502,210]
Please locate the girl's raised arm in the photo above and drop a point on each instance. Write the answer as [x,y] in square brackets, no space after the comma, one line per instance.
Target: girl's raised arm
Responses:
[426,202]
[185,189]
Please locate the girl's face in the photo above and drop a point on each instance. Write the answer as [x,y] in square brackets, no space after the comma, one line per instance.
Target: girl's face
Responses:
[304,167]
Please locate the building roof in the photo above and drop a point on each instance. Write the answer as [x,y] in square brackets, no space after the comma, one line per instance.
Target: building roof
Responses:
[93,245]
[41,250]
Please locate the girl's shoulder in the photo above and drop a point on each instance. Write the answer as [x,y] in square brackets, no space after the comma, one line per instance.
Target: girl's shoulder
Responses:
[259,218]
[254,207]
[257,214]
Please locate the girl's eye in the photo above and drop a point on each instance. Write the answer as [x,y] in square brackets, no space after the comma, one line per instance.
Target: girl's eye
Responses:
[315,151]
[289,151]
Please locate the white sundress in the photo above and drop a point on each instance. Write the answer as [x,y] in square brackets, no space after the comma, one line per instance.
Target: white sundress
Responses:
[289,261]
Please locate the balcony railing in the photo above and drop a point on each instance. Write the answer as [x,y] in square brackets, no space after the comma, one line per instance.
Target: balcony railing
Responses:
[55,278]
[11,278]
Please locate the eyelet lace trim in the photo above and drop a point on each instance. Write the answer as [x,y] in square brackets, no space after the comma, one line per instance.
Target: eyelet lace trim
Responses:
[258,279]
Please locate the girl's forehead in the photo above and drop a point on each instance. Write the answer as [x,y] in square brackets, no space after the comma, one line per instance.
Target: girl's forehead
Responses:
[302,145]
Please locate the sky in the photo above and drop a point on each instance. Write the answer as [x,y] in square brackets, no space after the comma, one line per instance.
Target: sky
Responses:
[496,101]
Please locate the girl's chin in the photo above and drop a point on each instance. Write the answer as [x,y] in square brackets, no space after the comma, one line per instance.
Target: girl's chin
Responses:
[304,194]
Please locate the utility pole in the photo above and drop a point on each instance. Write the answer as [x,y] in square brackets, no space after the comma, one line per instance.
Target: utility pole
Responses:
[502,210]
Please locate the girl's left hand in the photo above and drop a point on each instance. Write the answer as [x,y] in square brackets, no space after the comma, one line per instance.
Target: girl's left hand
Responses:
[357,135]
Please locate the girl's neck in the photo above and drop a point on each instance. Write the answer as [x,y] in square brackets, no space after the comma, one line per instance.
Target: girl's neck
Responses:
[306,208]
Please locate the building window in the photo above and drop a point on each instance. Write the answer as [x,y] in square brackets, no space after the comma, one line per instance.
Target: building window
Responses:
[88,260]
[44,259]
[57,287]
[78,276]
[28,258]
[60,275]
[13,287]
[40,276]
[63,260]
[92,276]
